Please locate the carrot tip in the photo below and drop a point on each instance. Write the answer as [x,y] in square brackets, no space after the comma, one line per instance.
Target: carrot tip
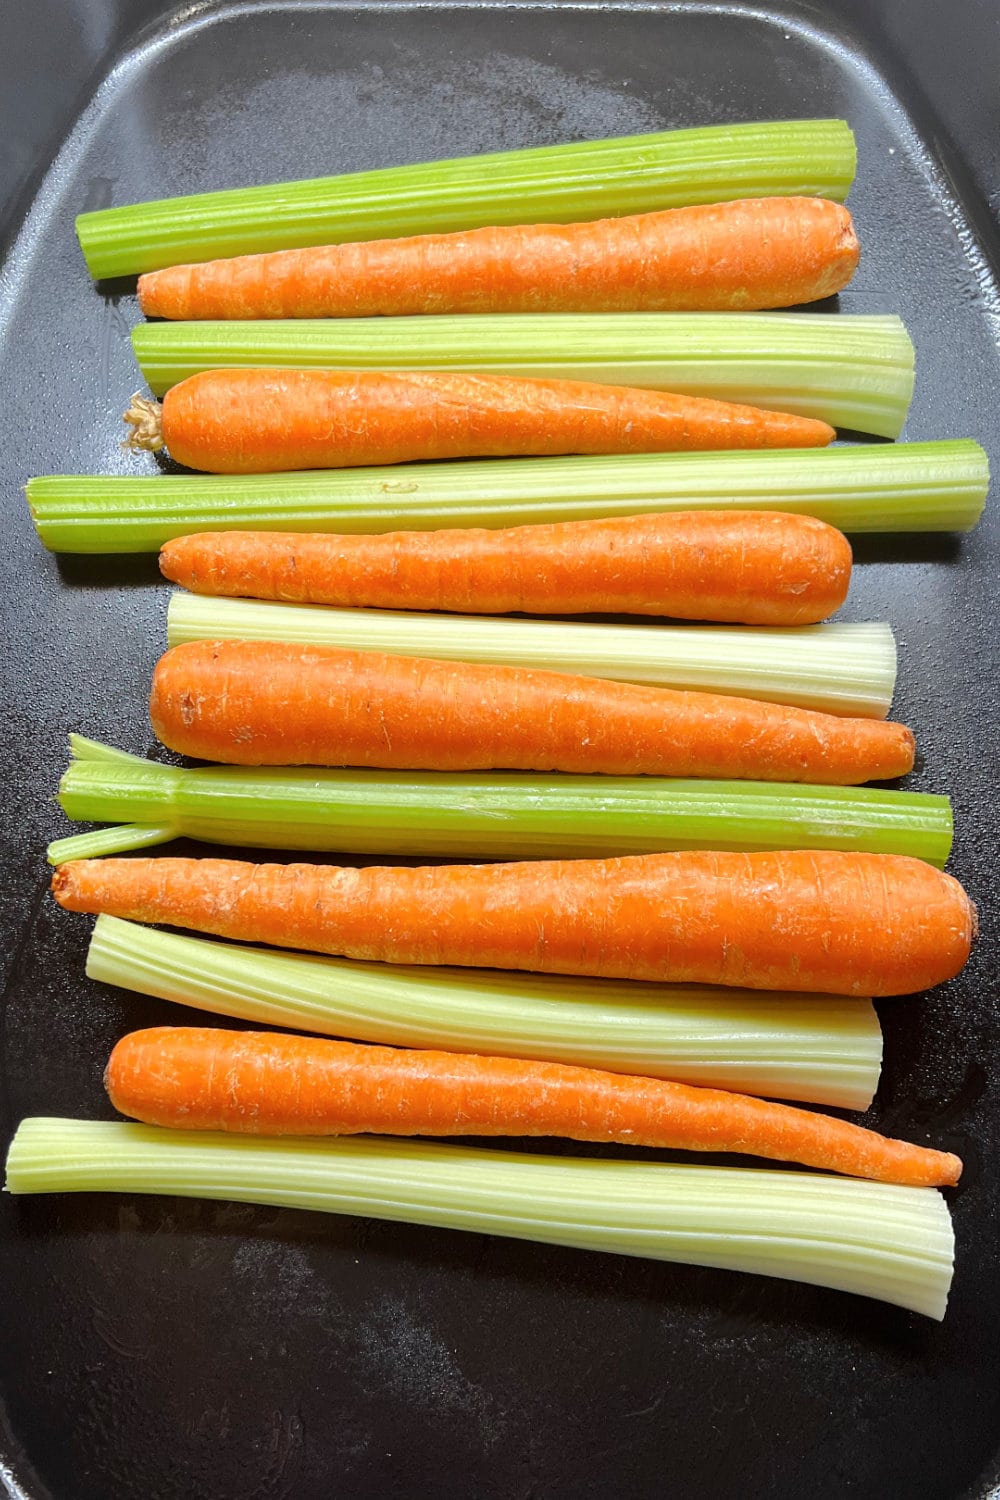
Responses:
[144,416]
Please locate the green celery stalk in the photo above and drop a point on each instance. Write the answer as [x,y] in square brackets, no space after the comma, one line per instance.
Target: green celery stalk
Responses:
[481,815]
[820,1049]
[842,669]
[853,372]
[555,184]
[104,841]
[887,1242]
[816,1048]
[936,486]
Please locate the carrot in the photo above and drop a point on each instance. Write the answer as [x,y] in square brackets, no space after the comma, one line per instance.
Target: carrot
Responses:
[754,253]
[748,567]
[275,1083]
[259,421]
[823,922]
[261,703]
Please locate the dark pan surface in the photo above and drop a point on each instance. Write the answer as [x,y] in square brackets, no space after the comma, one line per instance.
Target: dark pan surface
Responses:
[153,1349]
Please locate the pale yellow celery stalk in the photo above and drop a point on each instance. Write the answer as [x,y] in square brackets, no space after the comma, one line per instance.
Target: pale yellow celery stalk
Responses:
[854,372]
[887,1242]
[818,1049]
[841,669]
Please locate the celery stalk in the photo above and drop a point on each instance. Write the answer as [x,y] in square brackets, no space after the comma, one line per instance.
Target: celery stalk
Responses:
[842,669]
[891,1243]
[853,372]
[481,815]
[104,841]
[555,184]
[817,1048]
[936,486]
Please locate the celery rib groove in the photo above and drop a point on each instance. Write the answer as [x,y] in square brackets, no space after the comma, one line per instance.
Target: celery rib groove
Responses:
[557,184]
[480,816]
[819,1049]
[852,371]
[840,669]
[891,1243]
[932,486]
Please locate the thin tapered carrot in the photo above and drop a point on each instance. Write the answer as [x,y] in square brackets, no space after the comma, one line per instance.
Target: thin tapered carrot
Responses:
[751,253]
[823,922]
[259,421]
[275,1083]
[270,703]
[748,567]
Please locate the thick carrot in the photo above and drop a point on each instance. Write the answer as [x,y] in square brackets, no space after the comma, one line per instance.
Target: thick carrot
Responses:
[751,253]
[824,922]
[268,703]
[274,1083]
[259,421]
[748,567]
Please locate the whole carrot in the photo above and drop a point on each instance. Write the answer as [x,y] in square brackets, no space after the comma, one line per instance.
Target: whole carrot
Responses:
[748,567]
[274,1083]
[751,253]
[269,703]
[259,421]
[822,922]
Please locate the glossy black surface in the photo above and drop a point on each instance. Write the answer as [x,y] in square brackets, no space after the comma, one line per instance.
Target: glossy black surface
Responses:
[154,1348]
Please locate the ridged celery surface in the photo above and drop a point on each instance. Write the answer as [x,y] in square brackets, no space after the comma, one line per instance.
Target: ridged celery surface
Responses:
[936,486]
[853,372]
[818,1049]
[891,1243]
[841,669]
[554,184]
[479,815]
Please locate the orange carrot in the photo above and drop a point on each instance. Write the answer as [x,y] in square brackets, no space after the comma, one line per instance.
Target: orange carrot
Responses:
[756,253]
[258,421]
[269,703]
[273,1083]
[746,567]
[824,922]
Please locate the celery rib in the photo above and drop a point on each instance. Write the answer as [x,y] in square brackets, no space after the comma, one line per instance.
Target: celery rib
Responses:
[819,1049]
[105,841]
[841,669]
[853,371]
[886,1242]
[557,184]
[932,486]
[823,1050]
[483,816]
[82,748]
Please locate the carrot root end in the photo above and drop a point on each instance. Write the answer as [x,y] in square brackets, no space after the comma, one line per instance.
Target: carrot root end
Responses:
[145,417]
